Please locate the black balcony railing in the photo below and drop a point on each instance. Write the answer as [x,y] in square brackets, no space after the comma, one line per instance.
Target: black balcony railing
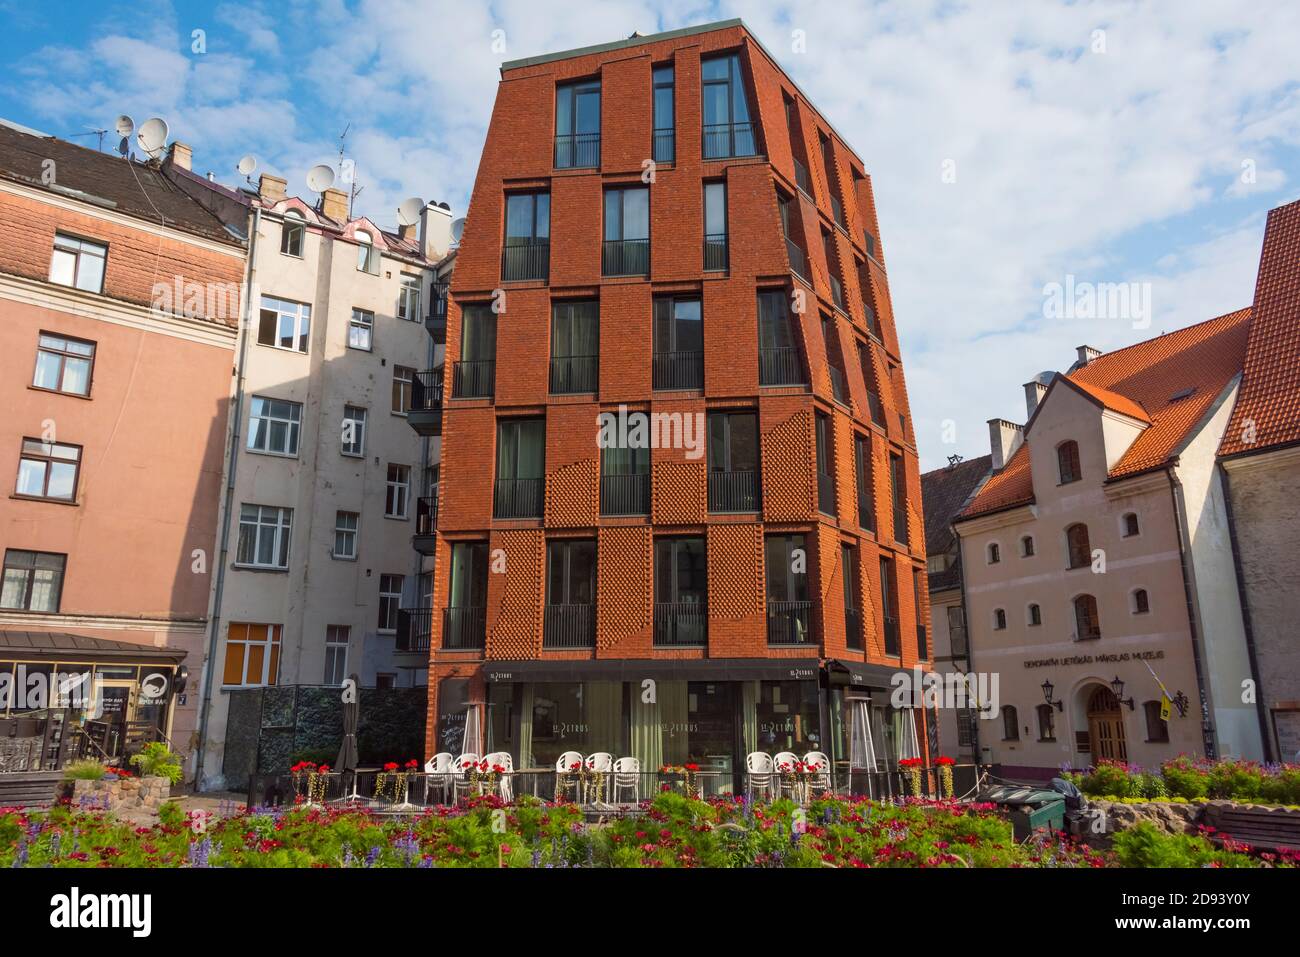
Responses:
[681,623]
[798,261]
[625,494]
[464,627]
[625,257]
[426,514]
[780,367]
[414,626]
[801,177]
[573,374]
[665,146]
[826,493]
[733,491]
[525,259]
[475,379]
[438,300]
[838,389]
[715,252]
[787,623]
[570,626]
[722,140]
[577,150]
[518,498]
[678,370]
[426,391]
[893,644]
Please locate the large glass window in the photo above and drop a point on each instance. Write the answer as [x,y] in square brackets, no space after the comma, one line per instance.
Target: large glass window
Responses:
[361,329]
[63,364]
[252,654]
[264,534]
[727,129]
[33,581]
[626,249]
[48,470]
[898,493]
[625,480]
[575,346]
[345,534]
[397,494]
[678,343]
[521,454]
[353,434]
[408,298]
[336,653]
[283,324]
[475,373]
[825,460]
[273,426]
[390,601]
[665,136]
[403,377]
[78,263]
[528,233]
[680,587]
[788,604]
[577,124]
[889,607]
[715,226]
[778,354]
[733,462]
[866,485]
[292,232]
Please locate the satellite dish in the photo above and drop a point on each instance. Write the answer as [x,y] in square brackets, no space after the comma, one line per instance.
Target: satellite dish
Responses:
[457,228]
[320,178]
[247,163]
[152,135]
[125,125]
[408,213]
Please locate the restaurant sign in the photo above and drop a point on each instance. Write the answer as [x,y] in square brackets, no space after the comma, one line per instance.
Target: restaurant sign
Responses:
[1114,658]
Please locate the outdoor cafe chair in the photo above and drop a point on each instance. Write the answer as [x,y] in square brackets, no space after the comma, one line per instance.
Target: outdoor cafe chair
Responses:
[460,774]
[566,767]
[820,782]
[438,770]
[760,775]
[600,762]
[502,759]
[786,786]
[627,776]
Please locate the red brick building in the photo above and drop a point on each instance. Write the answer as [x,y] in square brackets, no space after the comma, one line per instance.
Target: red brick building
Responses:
[666,226]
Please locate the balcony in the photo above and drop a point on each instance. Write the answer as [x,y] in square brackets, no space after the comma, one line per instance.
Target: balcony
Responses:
[569,626]
[625,257]
[733,491]
[436,321]
[414,626]
[571,374]
[425,413]
[475,379]
[678,370]
[665,146]
[577,150]
[826,493]
[798,261]
[425,539]
[464,628]
[715,252]
[681,624]
[625,494]
[801,178]
[518,498]
[780,367]
[893,643]
[523,259]
[725,140]
[787,623]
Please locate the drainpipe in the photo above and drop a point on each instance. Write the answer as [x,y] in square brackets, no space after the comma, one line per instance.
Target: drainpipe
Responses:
[1208,736]
[232,453]
[1260,711]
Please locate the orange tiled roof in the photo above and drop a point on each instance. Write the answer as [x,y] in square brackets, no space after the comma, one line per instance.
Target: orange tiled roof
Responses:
[1142,381]
[1269,403]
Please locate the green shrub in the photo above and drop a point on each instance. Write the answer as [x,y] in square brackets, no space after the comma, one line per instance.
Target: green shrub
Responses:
[1185,778]
[87,769]
[1109,779]
[1145,845]
[171,814]
[157,760]
[1236,780]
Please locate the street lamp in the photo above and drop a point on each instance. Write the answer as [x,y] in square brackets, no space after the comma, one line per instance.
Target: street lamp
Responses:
[1117,686]
[1048,689]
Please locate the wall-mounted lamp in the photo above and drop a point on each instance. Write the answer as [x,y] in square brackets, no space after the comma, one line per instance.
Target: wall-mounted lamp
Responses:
[1117,686]
[1048,690]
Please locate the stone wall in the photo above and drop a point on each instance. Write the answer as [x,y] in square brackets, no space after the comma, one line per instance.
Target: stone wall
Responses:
[122,794]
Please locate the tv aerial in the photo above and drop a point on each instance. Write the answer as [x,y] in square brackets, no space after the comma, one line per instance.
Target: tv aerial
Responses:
[152,136]
[408,211]
[247,163]
[457,229]
[125,127]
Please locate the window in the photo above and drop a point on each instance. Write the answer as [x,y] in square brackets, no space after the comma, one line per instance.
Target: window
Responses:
[832,179]
[1131,524]
[626,250]
[464,620]
[336,653]
[361,330]
[273,426]
[1086,623]
[292,233]
[833,269]
[798,150]
[345,534]
[1010,724]
[390,599]
[48,470]
[1027,546]
[898,490]
[919,594]
[33,581]
[965,728]
[778,354]
[680,590]
[870,380]
[678,344]
[866,489]
[408,299]
[995,553]
[397,491]
[786,575]
[575,346]
[727,130]
[1046,722]
[957,630]
[284,324]
[527,252]
[1141,605]
[792,231]
[1067,461]
[354,431]
[1078,548]
[577,124]
[825,458]
[625,480]
[403,377]
[1157,727]
[475,373]
[78,263]
[999,619]
[252,655]
[665,136]
[888,607]
[715,226]
[264,533]
[571,572]
[521,455]
[63,364]
[367,255]
[834,360]
[1035,615]
[733,462]
[852,617]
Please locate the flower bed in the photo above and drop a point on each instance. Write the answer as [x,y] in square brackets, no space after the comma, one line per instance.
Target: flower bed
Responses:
[1190,779]
[672,831]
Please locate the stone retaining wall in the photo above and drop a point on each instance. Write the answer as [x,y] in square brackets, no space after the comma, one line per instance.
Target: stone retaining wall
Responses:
[122,794]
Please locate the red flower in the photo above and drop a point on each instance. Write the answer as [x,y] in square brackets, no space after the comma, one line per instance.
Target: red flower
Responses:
[692,767]
[412,764]
[944,761]
[390,766]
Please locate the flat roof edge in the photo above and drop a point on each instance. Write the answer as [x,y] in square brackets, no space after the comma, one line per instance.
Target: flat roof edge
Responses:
[622,44]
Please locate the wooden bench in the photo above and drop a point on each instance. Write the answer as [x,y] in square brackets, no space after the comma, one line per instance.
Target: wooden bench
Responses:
[29,788]
[1263,828]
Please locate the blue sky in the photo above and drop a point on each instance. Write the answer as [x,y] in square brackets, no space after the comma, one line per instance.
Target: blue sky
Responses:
[1011,145]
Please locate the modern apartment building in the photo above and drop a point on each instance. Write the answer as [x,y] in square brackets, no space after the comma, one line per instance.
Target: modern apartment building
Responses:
[681,510]
[121,297]
[324,474]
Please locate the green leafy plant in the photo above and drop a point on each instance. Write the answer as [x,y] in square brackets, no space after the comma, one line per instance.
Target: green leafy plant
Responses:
[87,769]
[157,760]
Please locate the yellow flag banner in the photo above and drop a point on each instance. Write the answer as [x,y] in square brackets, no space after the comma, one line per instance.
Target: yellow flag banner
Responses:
[1166,707]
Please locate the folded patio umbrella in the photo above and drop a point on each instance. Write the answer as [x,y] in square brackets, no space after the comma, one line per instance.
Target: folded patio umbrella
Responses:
[346,764]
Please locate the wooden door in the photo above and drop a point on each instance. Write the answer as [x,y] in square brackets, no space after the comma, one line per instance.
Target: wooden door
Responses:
[1106,727]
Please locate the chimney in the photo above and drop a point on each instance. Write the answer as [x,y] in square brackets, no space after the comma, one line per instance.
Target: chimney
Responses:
[334,204]
[435,231]
[407,233]
[1086,355]
[181,155]
[270,189]
[1034,392]
[1004,438]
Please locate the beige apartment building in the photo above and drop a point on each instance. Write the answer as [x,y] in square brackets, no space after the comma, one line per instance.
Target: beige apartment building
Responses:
[1098,573]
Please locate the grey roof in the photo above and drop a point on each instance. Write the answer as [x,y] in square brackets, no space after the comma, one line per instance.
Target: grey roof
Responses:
[944,493]
[63,646]
[633,41]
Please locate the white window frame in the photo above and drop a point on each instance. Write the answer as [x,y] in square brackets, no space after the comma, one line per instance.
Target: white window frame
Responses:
[342,528]
[298,317]
[69,252]
[397,491]
[337,639]
[390,602]
[367,254]
[408,298]
[256,523]
[63,349]
[293,223]
[405,376]
[292,426]
[361,323]
[274,639]
[358,432]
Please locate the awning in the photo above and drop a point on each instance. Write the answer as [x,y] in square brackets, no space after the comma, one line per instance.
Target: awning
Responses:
[62,646]
[659,669]
[859,674]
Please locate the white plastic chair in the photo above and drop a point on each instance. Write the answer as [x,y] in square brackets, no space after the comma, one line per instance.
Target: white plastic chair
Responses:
[565,765]
[601,762]
[785,786]
[627,776]
[760,775]
[437,772]
[502,759]
[820,782]
[460,774]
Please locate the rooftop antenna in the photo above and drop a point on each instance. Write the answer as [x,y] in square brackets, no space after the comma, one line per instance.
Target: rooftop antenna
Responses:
[457,229]
[152,136]
[355,190]
[125,127]
[320,178]
[247,163]
[92,132]
[408,212]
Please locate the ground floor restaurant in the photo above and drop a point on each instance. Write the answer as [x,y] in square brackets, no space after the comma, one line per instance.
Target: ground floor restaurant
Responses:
[66,696]
[711,713]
